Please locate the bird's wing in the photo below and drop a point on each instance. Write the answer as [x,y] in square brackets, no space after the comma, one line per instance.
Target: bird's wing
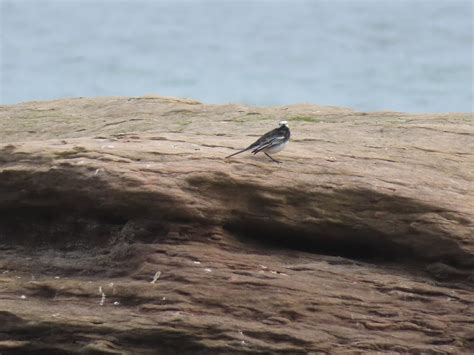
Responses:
[270,142]
[265,138]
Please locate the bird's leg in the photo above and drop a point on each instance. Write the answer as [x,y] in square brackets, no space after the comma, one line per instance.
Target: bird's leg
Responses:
[276,161]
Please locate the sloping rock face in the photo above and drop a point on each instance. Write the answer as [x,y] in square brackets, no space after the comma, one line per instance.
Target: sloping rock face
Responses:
[123,229]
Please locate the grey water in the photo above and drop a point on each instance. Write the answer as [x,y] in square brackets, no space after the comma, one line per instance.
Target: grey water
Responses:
[402,55]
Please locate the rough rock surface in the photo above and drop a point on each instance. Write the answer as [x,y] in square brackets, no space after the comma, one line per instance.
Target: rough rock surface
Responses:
[124,230]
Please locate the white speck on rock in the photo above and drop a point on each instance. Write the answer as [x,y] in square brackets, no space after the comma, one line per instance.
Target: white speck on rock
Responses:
[102,300]
[23,297]
[156,277]
[207,270]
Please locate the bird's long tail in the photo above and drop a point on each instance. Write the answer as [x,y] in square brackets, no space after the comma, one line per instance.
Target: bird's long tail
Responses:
[240,151]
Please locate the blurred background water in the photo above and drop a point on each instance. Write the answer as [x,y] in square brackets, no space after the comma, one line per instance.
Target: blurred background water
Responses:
[404,55]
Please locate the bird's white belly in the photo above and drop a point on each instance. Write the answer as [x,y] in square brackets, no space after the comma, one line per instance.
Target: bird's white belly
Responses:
[276,149]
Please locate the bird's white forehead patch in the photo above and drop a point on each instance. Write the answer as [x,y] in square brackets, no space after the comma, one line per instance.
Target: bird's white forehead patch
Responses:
[283,123]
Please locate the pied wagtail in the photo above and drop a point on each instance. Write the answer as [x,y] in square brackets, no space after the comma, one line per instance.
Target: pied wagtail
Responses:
[271,142]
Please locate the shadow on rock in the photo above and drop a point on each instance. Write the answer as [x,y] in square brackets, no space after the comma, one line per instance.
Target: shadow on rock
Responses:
[68,206]
[354,223]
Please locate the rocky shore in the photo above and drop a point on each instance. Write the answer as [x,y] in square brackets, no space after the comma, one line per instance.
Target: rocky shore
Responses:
[123,230]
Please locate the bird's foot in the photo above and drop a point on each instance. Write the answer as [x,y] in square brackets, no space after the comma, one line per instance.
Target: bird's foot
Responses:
[274,160]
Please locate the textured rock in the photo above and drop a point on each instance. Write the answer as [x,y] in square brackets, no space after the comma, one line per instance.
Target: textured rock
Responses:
[124,230]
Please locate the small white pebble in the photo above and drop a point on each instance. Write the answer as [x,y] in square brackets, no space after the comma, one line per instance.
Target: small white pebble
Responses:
[23,297]
[163,299]
[116,303]
[197,262]
[207,270]
[57,277]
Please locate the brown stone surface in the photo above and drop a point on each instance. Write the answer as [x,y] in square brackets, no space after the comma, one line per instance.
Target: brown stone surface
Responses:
[362,240]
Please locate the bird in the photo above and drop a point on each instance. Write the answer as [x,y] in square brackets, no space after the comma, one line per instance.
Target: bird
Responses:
[270,143]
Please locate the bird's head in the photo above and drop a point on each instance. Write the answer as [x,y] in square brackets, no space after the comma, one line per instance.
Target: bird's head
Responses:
[283,123]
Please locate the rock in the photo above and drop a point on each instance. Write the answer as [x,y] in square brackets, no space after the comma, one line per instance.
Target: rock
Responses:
[362,240]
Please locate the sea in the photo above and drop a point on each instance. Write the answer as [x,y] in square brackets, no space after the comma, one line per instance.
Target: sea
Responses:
[369,55]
